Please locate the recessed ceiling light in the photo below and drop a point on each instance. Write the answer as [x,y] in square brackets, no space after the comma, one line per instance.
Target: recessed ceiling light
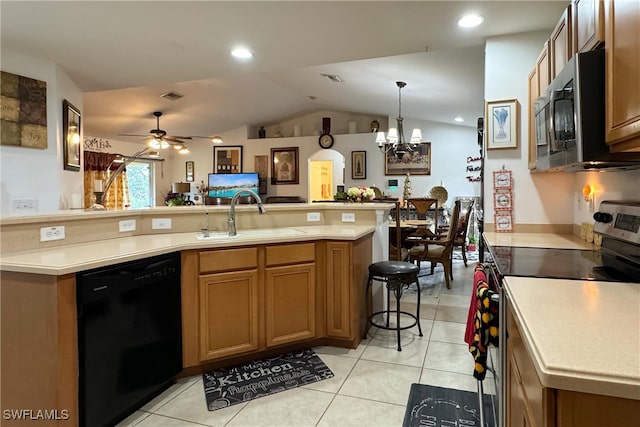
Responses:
[469,21]
[241,53]
[459,119]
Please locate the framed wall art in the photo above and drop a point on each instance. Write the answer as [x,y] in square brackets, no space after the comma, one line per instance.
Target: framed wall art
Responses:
[23,112]
[284,166]
[502,179]
[502,124]
[358,165]
[189,171]
[502,200]
[417,162]
[71,136]
[227,159]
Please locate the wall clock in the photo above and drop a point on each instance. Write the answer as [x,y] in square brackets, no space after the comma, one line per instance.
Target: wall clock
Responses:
[326,140]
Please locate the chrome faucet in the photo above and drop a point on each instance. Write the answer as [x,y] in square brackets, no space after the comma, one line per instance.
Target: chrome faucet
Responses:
[232,209]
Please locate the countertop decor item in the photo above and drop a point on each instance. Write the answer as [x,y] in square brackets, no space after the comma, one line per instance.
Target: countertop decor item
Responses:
[360,194]
[440,193]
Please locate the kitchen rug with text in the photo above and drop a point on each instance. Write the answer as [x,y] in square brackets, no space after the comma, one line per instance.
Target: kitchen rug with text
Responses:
[230,386]
[437,406]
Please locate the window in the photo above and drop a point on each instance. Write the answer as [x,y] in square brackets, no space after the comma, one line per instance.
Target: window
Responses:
[140,180]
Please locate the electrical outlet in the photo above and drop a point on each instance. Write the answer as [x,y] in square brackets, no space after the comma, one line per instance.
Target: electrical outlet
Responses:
[24,205]
[161,223]
[313,216]
[127,225]
[51,233]
[348,217]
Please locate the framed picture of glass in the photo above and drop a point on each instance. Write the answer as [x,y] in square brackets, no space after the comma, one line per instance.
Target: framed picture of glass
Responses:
[358,165]
[502,124]
[227,159]
[189,171]
[71,136]
[416,162]
[284,166]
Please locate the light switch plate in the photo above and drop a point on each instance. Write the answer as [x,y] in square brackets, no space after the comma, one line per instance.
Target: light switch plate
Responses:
[51,233]
[161,223]
[348,217]
[313,216]
[127,225]
[24,206]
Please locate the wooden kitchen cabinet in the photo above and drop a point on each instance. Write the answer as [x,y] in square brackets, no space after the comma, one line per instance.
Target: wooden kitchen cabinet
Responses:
[531,404]
[528,402]
[588,24]
[560,43]
[622,46]
[290,293]
[539,79]
[228,303]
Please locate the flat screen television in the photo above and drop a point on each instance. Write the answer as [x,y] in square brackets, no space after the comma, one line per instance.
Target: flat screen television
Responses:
[228,184]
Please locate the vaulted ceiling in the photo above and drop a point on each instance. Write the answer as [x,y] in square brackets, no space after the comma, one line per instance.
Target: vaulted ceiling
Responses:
[124,55]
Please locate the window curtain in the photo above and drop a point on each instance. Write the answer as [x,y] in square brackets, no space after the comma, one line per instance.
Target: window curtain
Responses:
[98,167]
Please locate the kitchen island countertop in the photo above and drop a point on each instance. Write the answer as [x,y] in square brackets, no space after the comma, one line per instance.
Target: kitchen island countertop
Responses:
[84,256]
[582,335]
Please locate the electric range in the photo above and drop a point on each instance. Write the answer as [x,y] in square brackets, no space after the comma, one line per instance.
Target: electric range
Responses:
[617,260]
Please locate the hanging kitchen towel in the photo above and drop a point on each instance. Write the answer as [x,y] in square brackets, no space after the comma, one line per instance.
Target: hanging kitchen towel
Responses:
[486,328]
[478,276]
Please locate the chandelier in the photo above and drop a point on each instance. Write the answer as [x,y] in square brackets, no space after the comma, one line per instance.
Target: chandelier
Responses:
[395,141]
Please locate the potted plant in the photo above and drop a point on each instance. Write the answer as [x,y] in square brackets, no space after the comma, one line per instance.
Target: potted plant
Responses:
[473,241]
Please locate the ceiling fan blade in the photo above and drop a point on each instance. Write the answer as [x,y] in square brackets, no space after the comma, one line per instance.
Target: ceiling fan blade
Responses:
[174,138]
[179,137]
[132,134]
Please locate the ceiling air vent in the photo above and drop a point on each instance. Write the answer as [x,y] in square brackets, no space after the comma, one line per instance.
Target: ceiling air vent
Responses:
[333,77]
[172,96]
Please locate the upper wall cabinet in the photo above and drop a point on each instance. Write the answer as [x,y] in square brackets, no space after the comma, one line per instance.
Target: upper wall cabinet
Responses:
[622,44]
[539,79]
[560,43]
[588,24]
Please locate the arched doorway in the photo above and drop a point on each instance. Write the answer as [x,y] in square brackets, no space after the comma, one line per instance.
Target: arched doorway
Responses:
[326,172]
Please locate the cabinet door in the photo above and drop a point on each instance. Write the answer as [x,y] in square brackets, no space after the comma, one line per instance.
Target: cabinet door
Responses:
[622,44]
[228,314]
[561,45]
[539,79]
[338,289]
[290,301]
[517,411]
[588,24]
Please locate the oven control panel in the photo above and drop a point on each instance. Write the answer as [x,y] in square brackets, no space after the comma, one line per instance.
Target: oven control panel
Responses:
[619,219]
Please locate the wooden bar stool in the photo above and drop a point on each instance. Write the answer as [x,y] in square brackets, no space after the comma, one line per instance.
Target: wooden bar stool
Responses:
[397,275]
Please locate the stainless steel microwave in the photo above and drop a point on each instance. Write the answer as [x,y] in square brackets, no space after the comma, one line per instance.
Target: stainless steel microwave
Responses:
[570,119]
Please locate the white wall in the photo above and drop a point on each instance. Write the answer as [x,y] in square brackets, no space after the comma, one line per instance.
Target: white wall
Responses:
[620,185]
[539,198]
[33,173]
[451,145]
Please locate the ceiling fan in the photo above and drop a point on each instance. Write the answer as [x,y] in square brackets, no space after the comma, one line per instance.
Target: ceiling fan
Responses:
[160,135]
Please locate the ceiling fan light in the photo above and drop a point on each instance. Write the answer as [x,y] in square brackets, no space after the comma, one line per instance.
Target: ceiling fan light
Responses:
[178,146]
[164,145]
[184,150]
[154,143]
[216,140]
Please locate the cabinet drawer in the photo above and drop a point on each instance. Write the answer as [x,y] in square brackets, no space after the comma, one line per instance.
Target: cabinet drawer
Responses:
[291,254]
[228,259]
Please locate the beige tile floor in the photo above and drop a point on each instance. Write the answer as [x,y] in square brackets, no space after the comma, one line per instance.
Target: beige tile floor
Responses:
[371,383]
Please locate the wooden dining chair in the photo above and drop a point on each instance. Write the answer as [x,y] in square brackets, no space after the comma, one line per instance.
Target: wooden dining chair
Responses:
[397,252]
[438,250]
[423,231]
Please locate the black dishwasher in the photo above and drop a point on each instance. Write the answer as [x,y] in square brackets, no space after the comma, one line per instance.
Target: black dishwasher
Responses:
[129,336]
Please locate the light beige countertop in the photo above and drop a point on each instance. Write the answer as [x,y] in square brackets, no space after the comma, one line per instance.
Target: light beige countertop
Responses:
[84,256]
[537,240]
[582,335]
